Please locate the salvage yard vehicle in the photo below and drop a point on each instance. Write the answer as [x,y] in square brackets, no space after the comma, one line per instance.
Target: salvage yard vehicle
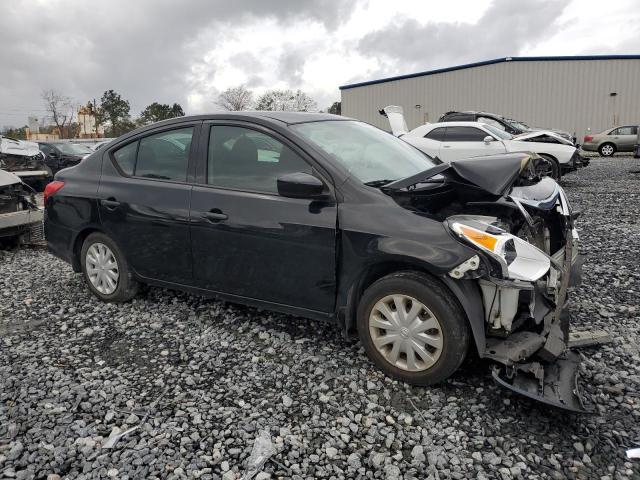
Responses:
[59,155]
[330,218]
[20,217]
[24,160]
[509,125]
[612,140]
[453,141]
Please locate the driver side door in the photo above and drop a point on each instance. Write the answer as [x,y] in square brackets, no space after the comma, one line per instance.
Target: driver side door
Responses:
[247,240]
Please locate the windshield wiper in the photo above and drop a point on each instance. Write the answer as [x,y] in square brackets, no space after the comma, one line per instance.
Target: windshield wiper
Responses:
[378,183]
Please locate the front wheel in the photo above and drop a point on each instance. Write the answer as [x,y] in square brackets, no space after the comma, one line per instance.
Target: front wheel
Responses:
[412,328]
[105,269]
[546,166]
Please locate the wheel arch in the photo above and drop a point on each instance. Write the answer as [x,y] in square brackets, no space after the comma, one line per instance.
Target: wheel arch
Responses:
[466,293]
[76,263]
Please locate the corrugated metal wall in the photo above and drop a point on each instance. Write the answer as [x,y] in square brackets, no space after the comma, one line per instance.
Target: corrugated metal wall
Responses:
[571,95]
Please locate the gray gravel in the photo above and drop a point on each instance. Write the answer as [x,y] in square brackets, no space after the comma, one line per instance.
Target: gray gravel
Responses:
[74,370]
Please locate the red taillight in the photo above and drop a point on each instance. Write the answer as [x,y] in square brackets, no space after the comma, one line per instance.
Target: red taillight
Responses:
[51,189]
[588,138]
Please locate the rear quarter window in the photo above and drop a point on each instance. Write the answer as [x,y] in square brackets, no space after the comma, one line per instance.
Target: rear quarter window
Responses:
[125,158]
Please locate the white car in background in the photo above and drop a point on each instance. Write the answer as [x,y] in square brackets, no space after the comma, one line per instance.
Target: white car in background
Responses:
[451,141]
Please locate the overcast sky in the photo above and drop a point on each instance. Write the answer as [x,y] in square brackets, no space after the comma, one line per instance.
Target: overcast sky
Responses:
[188,51]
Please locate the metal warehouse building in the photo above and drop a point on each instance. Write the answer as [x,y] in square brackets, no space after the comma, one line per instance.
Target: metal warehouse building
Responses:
[568,93]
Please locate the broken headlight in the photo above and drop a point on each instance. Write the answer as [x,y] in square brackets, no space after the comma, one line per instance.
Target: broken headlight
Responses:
[519,260]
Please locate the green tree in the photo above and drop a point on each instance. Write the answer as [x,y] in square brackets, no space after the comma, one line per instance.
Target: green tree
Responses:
[17,133]
[160,111]
[115,110]
[335,108]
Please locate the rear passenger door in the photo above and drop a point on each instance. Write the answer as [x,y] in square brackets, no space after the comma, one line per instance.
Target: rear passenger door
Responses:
[144,197]
[466,142]
[247,240]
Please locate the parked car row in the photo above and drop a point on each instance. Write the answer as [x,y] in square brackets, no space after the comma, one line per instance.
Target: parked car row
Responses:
[330,218]
[451,141]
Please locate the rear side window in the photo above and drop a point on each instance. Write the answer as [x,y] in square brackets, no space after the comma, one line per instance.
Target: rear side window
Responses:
[125,157]
[465,134]
[437,134]
[245,159]
[163,156]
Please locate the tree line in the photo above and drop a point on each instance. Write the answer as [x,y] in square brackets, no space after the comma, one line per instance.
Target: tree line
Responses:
[113,113]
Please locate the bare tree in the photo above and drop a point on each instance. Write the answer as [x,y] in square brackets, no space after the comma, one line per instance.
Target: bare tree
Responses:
[60,108]
[236,98]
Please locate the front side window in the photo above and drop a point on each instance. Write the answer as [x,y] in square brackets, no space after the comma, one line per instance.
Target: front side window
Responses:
[367,152]
[163,156]
[624,131]
[465,134]
[245,159]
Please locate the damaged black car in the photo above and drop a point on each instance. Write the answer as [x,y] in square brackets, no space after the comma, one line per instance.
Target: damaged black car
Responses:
[329,218]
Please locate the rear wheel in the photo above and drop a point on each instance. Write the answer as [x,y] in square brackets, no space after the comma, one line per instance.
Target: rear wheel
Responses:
[412,328]
[106,270]
[607,149]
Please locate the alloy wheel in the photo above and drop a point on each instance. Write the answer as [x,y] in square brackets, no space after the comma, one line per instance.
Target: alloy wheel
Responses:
[607,150]
[406,333]
[102,268]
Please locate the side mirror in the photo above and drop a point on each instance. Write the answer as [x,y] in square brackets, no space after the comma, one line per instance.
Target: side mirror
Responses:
[300,185]
[488,139]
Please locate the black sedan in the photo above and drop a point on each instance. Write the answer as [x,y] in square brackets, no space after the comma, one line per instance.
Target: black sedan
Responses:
[329,218]
[59,155]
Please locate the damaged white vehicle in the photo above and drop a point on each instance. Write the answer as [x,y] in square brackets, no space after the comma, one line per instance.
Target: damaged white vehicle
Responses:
[453,141]
[25,160]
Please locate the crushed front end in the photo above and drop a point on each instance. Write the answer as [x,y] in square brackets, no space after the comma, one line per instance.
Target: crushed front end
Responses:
[526,269]
[522,229]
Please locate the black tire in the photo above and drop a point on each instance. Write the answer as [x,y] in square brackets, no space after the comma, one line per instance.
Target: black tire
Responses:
[127,286]
[555,172]
[449,314]
[607,152]
[607,149]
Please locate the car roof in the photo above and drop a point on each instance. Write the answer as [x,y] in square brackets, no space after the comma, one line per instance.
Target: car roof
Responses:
[456,124]
[287,118]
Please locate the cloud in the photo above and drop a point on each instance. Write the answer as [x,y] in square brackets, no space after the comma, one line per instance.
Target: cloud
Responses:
[504,29]
[144,49]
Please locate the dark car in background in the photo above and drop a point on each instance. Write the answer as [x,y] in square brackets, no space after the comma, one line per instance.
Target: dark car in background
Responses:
[514,127]
[329,218]
[612,140]
[59,155]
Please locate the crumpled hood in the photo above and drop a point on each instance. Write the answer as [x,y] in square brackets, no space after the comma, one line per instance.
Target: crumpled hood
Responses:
[10,146]
[495,174]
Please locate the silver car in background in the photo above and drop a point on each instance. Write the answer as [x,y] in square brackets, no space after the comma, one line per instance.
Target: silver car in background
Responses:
[612,140]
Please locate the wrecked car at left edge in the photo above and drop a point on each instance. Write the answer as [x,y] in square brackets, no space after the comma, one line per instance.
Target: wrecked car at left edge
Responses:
[25,160]
[329,218]
[20,216]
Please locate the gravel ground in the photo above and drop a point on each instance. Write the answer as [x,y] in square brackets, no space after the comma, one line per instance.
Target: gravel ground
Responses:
[74,370]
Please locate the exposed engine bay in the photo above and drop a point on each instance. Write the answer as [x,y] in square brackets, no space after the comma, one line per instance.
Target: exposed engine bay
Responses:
[522,228]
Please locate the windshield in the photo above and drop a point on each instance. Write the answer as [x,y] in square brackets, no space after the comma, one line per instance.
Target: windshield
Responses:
[367,152]
[73,149]
[501,134]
